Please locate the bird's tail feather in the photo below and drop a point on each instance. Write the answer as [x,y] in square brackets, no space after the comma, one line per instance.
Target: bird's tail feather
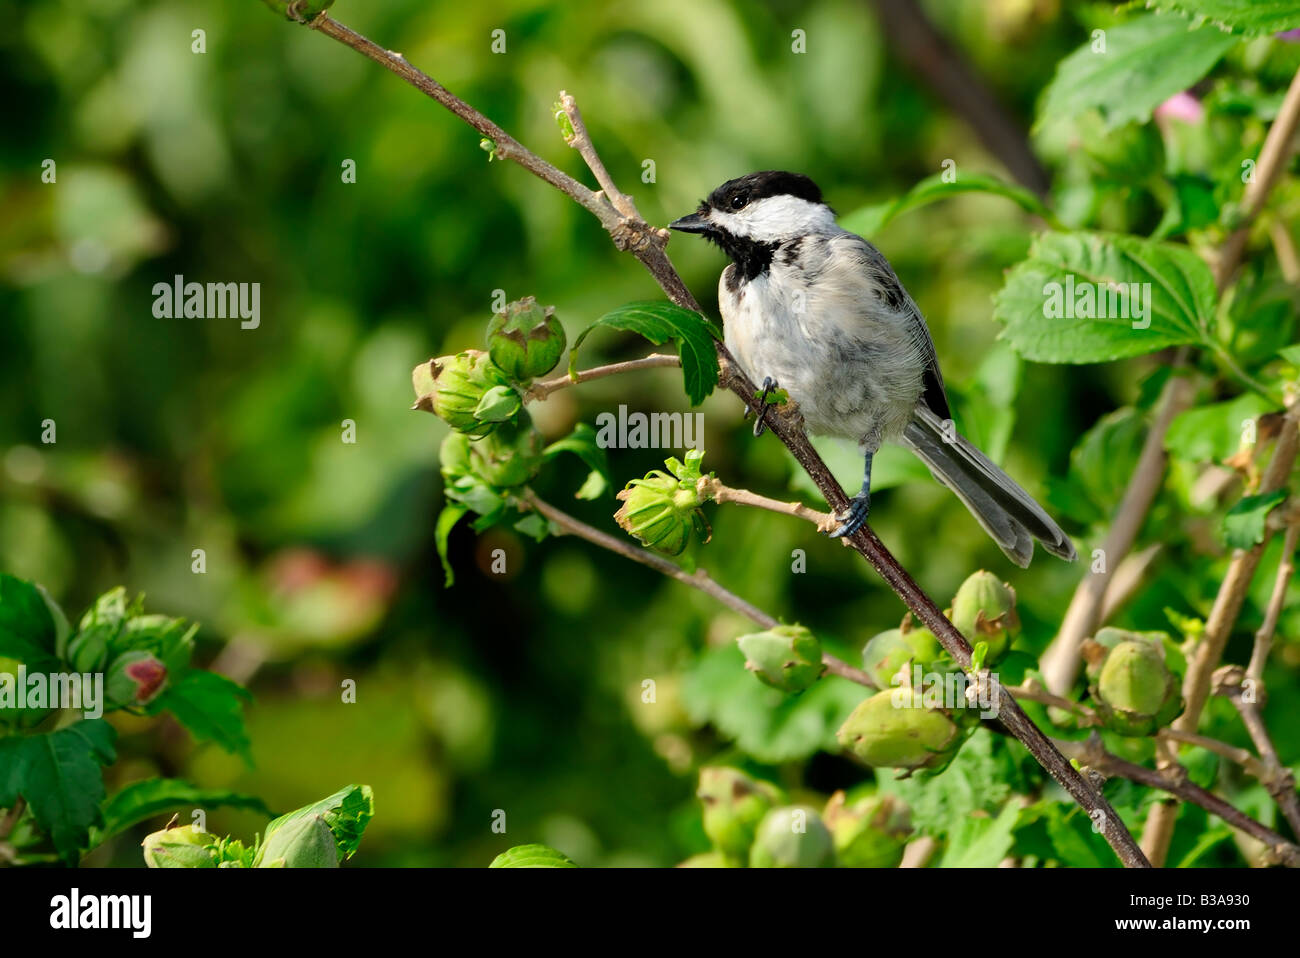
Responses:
[1007,513]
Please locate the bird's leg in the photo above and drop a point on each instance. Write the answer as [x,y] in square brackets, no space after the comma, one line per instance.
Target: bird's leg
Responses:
[855,516]
[763,405]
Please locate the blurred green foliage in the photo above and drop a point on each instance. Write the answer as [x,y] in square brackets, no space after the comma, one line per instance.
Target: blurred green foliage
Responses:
[521,692]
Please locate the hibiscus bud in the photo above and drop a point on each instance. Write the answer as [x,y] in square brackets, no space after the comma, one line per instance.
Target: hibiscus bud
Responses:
[453,387]
[984,610]
[786,657]
[659,512]
[792,837]
[184,847]
[1135,690]
[87,650]
[734,804]
[525,339]
[905,735]
[134,678]
[890,651]
[868,833]
[305,842]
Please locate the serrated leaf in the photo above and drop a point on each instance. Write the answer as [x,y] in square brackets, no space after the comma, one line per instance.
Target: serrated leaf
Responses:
[981,842]
[532,856]
[870,220]
[1046,316]
[975,781]
[1146,61]
[1244,525]
[347,813]
[660,322]
[210,706]
[1251,17]
[156,796]
[58,773]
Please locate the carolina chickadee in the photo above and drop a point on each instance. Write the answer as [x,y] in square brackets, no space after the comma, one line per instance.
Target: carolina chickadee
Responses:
[818,311]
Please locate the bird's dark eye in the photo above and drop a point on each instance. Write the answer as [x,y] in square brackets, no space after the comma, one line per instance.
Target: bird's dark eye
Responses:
[739,200]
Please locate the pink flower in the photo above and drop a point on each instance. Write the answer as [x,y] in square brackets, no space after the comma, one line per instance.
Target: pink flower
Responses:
[1181,106]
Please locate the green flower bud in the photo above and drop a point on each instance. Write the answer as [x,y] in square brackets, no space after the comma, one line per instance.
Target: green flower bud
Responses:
[869,833]
[134,678]
[452,387]
[661,513]
[1135,691]
[890,651]
[734,804]
[984,610]
[184,847]
[510,456]
[905,735]
[787,657]
[525,340]
[792,837]
[88,650]
[305,842]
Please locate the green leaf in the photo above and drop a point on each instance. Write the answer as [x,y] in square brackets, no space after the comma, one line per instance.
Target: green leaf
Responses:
[763,722]
[58,773]
[211,707]
[451,514]
[1243,526]
[28,629]
[1146,61]
[1051,302]
[979,841]
[974,783]
[582,442]
[346,812]
[660,322]
[532,856]
[155,796]
[1101,465]
[1252,17]
[870,220]
[1214,431]
[534,526]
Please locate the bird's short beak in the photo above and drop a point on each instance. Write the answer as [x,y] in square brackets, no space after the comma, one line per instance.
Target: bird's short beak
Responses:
[695,223]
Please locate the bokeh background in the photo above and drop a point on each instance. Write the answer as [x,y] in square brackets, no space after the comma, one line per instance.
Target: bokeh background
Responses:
[522,691]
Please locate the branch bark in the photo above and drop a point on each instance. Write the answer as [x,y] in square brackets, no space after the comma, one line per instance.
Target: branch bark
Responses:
[633,234]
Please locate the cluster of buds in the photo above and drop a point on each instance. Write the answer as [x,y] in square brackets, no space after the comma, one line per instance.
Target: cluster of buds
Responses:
[786,657]
[1130,680]
[137,652]
[663,509]
[869,832]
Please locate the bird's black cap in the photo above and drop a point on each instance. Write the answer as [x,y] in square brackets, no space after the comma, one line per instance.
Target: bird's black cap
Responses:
[755,186]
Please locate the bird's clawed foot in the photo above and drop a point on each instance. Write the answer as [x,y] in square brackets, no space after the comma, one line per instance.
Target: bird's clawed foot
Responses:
[854,517]
[760,424]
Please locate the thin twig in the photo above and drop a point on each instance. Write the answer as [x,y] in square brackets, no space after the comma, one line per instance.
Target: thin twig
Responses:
[543,389]
[699,579]
[1277,778]
[1264,637]
[1176,783]
[647,244]
[11,818]
[715,490]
